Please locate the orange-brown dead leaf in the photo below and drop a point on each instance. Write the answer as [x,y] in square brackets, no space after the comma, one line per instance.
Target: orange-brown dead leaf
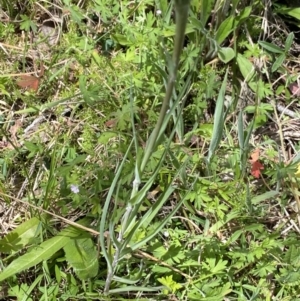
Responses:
[254,156]
[29,81]
[111,123]
[256,166]
[255,169]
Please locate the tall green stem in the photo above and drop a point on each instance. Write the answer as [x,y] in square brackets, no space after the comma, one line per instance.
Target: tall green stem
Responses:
[181,10]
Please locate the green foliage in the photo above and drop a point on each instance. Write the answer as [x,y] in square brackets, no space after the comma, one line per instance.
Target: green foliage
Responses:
[27,24]
[170,283]
[41,252]
[20,237]
[81,255]
[143,126]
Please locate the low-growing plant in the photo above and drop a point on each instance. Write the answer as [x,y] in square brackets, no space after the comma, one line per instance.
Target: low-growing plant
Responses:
[145,153]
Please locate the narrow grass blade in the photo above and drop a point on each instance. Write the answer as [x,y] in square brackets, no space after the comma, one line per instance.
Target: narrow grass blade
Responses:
[163,223]
[267,195]
[140,196]
[136,289]
[136,279]
[149,215]
[50,105]
[244,151]
[218,120]
[137,179]
[241,130]
[105,210]
[34,285]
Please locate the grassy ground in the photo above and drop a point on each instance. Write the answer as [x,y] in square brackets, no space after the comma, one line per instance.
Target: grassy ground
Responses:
[136,169]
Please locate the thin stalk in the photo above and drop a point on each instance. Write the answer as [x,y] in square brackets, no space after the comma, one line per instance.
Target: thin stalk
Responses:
[181,9]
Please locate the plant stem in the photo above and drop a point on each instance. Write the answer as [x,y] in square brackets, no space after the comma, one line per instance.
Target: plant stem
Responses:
[181,9]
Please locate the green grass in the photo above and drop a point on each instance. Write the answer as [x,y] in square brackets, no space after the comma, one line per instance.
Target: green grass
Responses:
[144,155]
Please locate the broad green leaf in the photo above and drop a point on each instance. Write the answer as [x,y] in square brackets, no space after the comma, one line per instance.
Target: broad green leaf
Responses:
[293,12]
[123,40]
[19,291]
[224,30]
[19,237]
[226,54]
[235,236]
[270,47]
[42,252]
[267,195]
[81,254]
[289,41]
[163,5]
[76,14]
[278,62]
[90,92]
[3,89]
[206,8]
[218,120]
[27,24]
[248,71]
[243,15]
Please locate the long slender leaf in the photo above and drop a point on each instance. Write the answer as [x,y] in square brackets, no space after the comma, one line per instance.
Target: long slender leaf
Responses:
[136,279]
[270,47]
[136,289]
[267,195]
[33,285]
[150,214]
[105,210]
[182,9]
[278,62]
[163,223]
[289,41]
[218,120]
[241,130]
[293,12]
